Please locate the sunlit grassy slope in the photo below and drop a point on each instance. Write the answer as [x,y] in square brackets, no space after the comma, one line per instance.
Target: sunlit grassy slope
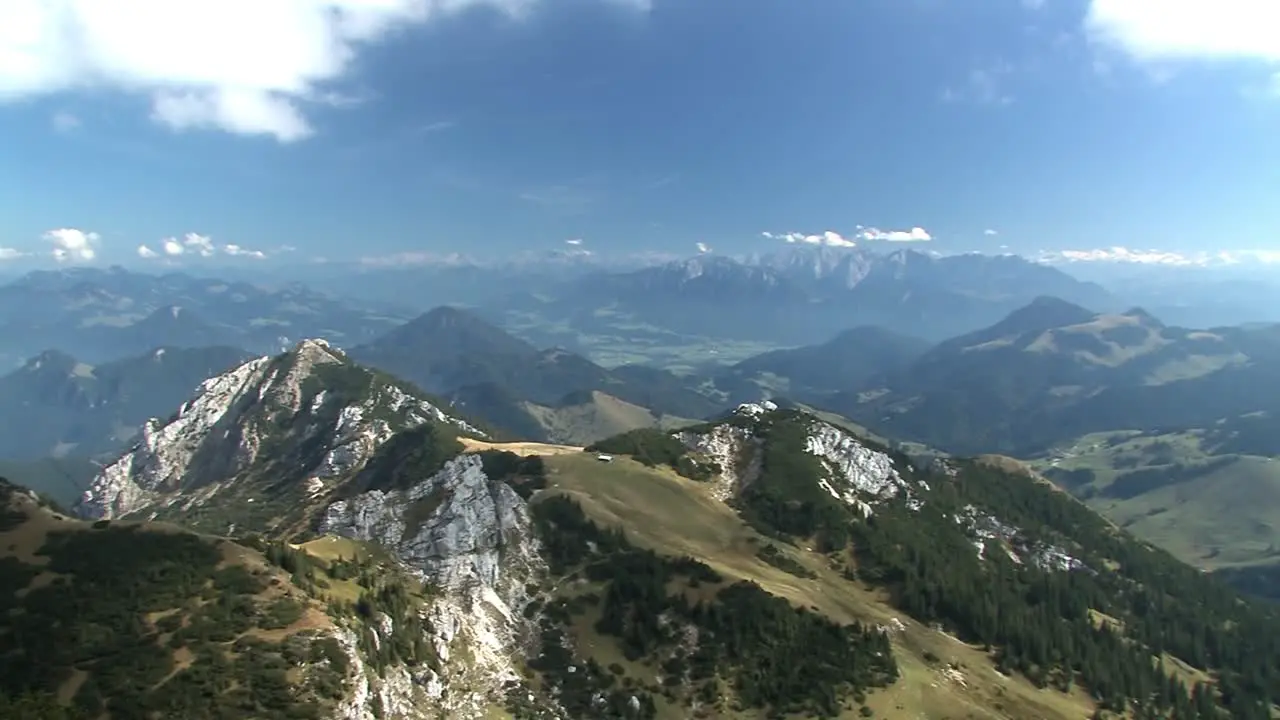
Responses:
[603,416]
[1212,511]
[941,677]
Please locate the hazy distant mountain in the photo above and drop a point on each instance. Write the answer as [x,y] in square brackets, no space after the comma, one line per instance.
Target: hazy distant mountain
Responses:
[849,360]
[1053,370]
[102,314]
[463,281]
[457,354]
[805,295]
[57,405]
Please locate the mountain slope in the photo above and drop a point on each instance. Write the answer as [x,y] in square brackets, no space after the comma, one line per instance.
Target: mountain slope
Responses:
[588,417]
[56,405]
[1052,372]
[455,353]
[148,620]
[1166,430]
[989,552]
[848,360]
[793,476]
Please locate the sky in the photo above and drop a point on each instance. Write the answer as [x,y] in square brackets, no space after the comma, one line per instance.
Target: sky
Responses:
[152,132]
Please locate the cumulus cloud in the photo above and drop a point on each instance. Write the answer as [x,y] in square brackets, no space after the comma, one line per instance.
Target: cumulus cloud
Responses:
[990,233]
[10,254]
[201,245]
[72,245]
[1188,30]
[196,244]
[830,238]
[915,234]
[575,241]
[703,248]
[252,67]
[237,251]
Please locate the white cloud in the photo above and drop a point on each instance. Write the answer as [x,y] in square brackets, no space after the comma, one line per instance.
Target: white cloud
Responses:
[1160,257]
[250,67]
[72,245]
[575,241]
[703,247]
[915,234]
[201,245]
[990,233]
[10,254]
[196,244]
[65,122]
[830,238]
[1188,29]
[237,251]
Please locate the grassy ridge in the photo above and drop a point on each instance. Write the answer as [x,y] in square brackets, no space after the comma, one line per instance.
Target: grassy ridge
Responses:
[677,517]
[140,622]
[1213,511]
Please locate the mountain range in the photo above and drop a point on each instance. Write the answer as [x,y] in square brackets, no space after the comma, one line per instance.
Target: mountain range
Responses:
[1169,431]
[801,295]
[1053,371]
[305,537]
[100,315]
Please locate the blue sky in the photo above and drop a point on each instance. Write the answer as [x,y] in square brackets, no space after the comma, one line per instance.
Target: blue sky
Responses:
[401,129]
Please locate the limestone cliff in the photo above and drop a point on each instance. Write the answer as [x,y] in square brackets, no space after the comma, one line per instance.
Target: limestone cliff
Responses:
[308,443]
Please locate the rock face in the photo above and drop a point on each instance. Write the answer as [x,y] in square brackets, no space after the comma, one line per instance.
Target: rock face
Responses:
[854,473]
[734,449]
[469,535]
[458,526]
[288,443]
[311,406]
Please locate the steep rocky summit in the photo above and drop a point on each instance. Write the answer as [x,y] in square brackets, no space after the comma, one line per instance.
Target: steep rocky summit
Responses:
[297,424]
[308,444]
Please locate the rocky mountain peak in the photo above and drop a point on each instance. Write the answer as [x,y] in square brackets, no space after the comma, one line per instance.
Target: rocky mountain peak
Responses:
[300,422]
